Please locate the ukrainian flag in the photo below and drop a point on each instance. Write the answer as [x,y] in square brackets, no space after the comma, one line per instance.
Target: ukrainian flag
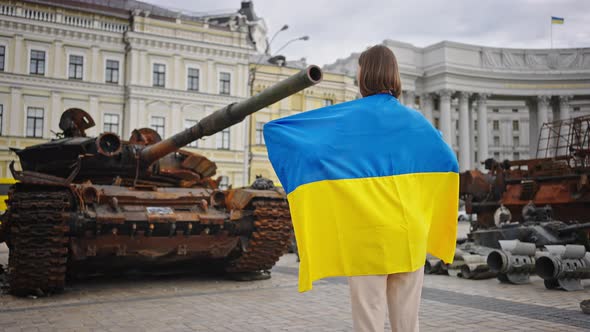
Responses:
[372,187]
[557,20]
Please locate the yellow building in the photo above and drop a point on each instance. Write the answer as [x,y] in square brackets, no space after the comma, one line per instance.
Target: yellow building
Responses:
[334,89]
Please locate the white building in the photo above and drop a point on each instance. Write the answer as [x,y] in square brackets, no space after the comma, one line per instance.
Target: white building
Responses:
[489,102]
[129,65]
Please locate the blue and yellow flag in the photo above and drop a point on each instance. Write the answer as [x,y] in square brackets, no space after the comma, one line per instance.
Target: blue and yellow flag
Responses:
[372,187]
[557,20]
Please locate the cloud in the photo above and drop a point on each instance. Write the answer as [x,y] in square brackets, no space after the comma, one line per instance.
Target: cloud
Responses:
[338,28]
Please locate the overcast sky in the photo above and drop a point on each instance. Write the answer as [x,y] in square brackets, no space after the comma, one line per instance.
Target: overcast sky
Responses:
[339,27]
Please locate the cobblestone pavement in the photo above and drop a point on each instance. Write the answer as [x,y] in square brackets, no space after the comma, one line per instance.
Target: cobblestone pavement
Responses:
[208,303]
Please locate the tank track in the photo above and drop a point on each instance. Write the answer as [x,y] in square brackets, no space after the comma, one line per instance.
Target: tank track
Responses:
[38,241]
[270,239]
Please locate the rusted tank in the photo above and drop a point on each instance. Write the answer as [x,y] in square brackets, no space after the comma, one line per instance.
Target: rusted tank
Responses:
[559,178]
[541,203]
[84,203]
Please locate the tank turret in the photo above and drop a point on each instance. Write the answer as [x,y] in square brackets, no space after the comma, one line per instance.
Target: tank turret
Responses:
[145,156]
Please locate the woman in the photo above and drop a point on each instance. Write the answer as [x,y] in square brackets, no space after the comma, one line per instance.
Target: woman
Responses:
[372,188]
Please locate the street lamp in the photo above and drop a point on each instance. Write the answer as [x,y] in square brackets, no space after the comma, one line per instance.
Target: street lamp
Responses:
[304,38]
[248,125]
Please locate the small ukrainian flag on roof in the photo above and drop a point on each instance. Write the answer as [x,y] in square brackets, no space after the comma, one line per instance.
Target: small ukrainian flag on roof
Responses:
[557,20]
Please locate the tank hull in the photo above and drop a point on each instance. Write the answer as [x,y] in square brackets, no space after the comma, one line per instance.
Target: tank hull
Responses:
[99,228]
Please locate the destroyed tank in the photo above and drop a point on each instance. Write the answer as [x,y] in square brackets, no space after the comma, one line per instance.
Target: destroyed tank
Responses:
[532,215]
[84,203]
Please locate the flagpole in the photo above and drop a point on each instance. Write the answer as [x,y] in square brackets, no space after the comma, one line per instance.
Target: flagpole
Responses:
[551,22]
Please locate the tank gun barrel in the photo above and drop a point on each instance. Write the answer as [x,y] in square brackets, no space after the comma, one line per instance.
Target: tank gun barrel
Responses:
[232,114]
[573,228]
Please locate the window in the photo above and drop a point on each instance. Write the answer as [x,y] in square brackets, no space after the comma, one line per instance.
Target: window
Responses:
[259,133]
[37,62]
[475,158]
[111,123]
[457,124]
[576,109]
[158,124]
[475,124]
[475,140]
[112,72]
[496,124]
[193,79]
[516,141]
[496,140]
[2,57]
[515,156]
[34,122]
[188,124]
[224,82]
[515,125]
[515,110]
[436,123]
[1,118]
[159,79]
[223,139]
[328,102]
[75,68]
[497,155]
[495,110]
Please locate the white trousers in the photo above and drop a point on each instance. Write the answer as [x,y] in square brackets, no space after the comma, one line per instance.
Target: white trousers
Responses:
[370,296]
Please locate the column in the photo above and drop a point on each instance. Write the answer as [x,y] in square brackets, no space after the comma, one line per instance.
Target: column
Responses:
[176,120]
[564,114]
[427,104]
[94,65]
[211,77]
[130,117]
[55,111]
[482,127]
[19,55]
[58,58]
[132,68]
[144,69]
[16,114]
[533,127]
[543,104]
[445,115]
[564,107]
[93,111]
[410,99]
[464,144]
[177,75]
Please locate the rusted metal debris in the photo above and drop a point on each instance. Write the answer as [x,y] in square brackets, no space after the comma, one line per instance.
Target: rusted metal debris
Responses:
[102,202]
[526,209]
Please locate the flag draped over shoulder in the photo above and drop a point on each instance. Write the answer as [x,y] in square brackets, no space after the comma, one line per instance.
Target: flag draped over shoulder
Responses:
[372,187]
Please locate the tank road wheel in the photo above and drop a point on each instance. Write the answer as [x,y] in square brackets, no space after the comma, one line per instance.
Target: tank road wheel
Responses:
[268,242]
[39,246]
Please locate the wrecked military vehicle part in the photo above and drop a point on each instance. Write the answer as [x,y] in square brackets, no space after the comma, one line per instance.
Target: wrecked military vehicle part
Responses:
[233,113]
[564,266]
[109,144]
[556,182]
[74,122]
[38,237]
[270,239]
[470,262]
[122,211]
[262,183]
[514,262]
[434,265]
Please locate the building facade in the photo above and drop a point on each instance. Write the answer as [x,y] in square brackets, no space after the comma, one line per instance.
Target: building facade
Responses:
[489,102]
[129,65]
